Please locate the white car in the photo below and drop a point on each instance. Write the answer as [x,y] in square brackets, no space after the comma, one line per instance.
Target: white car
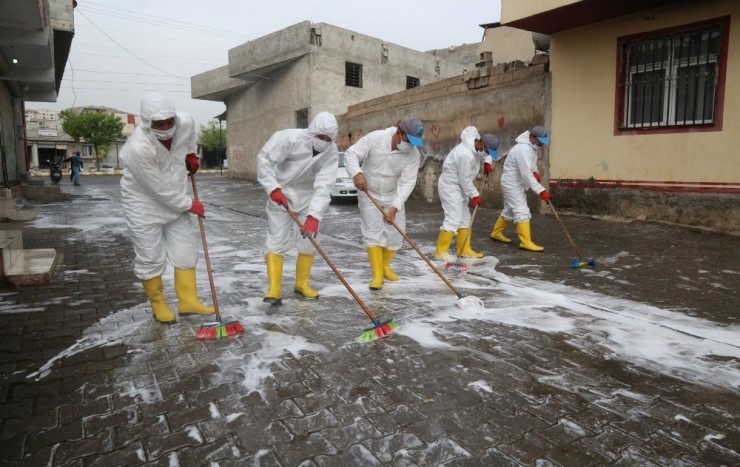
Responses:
[344,188]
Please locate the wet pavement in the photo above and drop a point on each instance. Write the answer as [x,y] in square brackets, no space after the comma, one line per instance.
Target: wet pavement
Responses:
[635,362]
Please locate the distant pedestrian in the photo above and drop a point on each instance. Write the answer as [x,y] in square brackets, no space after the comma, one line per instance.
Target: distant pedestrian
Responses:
[76,161]
[297,169]
[520,173]
[156,160]
[385,164]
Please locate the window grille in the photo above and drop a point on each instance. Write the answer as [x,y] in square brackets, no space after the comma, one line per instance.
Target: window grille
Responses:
[301,118]
[671,80]
[412,82]
[353,74]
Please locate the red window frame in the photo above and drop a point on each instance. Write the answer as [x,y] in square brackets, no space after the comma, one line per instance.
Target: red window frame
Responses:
[619,105]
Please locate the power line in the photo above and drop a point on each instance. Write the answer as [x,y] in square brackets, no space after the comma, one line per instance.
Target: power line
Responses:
[123,73]
[136,13]
[128,82]
[69,59]
[118,89]
[89,45]
[137,58]
[165,25]
[110,50]
[158,37]
[124,48]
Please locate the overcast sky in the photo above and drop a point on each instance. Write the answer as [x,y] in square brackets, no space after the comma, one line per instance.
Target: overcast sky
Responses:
[181,38]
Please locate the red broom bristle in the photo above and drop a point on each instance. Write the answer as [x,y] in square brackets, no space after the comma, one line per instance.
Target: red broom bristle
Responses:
[206,333]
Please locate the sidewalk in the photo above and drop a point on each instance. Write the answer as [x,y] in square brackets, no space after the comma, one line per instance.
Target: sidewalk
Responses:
[632,363]
[45,172]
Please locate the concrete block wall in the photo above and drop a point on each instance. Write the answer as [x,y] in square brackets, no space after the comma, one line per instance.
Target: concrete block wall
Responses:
[512,101]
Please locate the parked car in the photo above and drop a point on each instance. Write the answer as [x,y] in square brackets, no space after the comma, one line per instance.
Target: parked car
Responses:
[344,188]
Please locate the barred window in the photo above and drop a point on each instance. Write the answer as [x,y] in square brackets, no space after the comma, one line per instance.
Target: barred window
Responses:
[412,82]
[301,118]
[671,80]
[353,74]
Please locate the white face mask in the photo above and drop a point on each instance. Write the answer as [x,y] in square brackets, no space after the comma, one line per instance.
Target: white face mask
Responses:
[319,145]
[403,146]
[164,135]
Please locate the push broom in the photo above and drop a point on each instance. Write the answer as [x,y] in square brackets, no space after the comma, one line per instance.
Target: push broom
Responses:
[379,329]
[462,300]
[580,262]
[220,328]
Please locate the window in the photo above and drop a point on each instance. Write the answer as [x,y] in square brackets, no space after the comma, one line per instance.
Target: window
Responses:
[87,150]
[412,82]
[671,80]
[353,74]
[301,118]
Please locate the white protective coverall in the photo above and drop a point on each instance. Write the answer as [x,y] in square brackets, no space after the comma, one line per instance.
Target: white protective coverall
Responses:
[287,162]
[153,191]
[391,177]
[517,176]
[455,185]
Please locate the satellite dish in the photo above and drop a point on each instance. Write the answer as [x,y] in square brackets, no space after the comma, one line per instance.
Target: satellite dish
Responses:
[541,42]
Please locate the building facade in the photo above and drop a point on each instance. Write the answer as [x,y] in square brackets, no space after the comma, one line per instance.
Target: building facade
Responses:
[284,79]
[35,39]
[46,141]
[644,106]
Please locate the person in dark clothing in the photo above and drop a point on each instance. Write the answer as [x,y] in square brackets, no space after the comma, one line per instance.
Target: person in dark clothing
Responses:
[77,164]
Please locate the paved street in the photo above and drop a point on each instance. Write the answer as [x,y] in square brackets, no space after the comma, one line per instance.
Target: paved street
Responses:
[636,362]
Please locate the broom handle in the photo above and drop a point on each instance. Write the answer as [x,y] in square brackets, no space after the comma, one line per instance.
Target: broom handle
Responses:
[439,273]
[472,219]
[580,256]
[205,252]
[333,268]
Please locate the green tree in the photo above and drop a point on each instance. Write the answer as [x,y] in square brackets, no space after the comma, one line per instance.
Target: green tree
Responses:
[213,138]
[97,128]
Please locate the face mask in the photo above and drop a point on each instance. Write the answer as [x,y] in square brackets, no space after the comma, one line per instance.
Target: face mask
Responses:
[482,153]
[319,145]
[164,135]
[403,146]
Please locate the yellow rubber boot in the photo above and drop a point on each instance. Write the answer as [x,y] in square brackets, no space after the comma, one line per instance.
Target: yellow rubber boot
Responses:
[375,256]
[155,292]
[498,231]
[463,235]
[388,273]
[443,245]
[274,293]
[302,273]
[187,294]
[525,237]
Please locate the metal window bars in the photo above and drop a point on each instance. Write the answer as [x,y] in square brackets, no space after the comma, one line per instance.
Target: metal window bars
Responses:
[671,80]
[353,74]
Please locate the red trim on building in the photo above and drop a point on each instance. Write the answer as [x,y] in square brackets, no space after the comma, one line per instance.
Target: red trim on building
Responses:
[584,13]
[667,186]
[719,108]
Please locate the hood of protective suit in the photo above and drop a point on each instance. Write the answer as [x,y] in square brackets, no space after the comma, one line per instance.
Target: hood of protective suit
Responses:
[468,137]
[324,124]
[524,139]
[155,107]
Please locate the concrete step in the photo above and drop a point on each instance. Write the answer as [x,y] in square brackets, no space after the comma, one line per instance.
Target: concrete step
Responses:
[33,267]
[17,210]
[11,243]
[24,267]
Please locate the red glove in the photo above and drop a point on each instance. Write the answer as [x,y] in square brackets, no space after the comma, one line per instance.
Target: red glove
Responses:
[311,226]
[487,168]
[537,176]
[278,197]
[191,162]
[475,201]
[545,196]
[197,208]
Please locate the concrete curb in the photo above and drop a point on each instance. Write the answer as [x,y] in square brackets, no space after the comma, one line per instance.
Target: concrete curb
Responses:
[45,173]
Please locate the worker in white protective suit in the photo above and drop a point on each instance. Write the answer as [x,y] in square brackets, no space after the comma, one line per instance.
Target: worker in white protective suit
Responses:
[156,160]
[297,168]
[390,165]
[456,186]
[520,173]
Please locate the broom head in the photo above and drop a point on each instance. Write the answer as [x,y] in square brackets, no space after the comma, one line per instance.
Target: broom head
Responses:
[582,263]
[378,331]
[218,330]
